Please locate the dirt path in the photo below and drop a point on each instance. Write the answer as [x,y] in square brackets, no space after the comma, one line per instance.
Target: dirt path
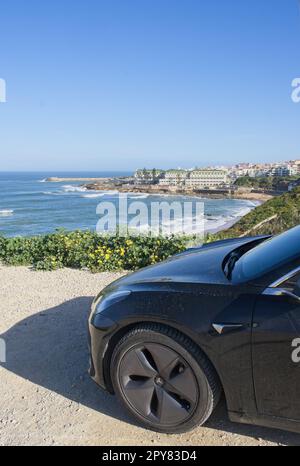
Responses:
[46,395]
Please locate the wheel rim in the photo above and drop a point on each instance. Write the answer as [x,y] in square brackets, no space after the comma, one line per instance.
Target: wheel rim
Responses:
[158,384]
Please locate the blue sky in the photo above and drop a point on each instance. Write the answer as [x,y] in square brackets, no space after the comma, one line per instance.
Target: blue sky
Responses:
[116,84]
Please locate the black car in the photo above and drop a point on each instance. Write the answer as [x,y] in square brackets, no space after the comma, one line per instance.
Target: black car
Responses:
[224,317]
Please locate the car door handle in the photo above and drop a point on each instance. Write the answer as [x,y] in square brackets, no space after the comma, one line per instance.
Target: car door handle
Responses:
[225,328]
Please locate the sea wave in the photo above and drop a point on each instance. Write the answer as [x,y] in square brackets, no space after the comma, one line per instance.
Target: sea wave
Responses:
[53,193]
[138,196]
[6,212]
[213,224]
[241,212]
[68,188]
[114,193]
[101,194]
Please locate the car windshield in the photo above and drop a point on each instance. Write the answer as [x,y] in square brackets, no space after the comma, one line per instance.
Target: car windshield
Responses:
[268,255]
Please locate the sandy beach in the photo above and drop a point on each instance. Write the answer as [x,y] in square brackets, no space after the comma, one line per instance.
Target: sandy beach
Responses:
[47,397]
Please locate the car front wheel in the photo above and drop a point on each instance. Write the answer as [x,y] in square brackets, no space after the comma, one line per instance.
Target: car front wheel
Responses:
[163,379]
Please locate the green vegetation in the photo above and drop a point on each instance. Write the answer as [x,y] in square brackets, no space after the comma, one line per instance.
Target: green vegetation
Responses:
[270,183]
[286,207]
[86,249]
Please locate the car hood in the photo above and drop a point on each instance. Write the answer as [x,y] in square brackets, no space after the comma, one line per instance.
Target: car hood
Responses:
[196,265]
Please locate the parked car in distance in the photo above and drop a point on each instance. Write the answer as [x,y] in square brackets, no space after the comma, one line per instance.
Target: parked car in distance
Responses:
[169,339]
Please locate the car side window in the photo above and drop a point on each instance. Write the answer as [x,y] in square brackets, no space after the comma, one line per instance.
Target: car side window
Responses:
[292,284]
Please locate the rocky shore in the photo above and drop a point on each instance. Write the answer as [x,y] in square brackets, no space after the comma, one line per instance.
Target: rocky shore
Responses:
[126,185]
[174,190]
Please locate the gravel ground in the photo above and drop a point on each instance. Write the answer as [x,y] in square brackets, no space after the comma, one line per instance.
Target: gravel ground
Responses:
[46,395]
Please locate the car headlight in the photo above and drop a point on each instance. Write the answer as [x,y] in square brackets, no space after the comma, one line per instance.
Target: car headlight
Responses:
[105,301]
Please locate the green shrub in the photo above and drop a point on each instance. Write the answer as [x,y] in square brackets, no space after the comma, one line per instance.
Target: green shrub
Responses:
[272,183]
[86,249]
[286,207]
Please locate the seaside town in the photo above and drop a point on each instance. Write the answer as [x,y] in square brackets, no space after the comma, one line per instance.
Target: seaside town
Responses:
[215,177]
[243,180]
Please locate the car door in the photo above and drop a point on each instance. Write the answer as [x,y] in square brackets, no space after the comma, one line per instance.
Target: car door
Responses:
[275,338]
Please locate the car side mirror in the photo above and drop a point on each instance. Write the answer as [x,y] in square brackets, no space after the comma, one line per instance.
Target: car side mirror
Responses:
[281,292]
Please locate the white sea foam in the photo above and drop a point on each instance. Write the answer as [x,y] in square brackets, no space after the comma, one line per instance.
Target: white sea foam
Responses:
[96,194]
[6,212]
[93,195]
[68,188]
[212,223]
[43,180]
[215,223]
[137,196]
[241,212]
[53,193]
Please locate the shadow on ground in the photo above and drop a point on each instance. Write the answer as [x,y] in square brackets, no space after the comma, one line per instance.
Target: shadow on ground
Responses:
[50,349]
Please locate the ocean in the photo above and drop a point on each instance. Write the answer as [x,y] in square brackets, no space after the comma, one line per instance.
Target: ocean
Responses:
[29,205]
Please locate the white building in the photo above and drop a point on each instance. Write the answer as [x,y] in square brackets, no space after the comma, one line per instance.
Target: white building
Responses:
[174,178]
[206,178]
[283,170]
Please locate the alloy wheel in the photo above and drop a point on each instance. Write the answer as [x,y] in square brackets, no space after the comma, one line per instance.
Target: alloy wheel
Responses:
[158,384]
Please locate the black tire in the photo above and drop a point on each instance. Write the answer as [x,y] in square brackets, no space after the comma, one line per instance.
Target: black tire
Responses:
[163,379]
